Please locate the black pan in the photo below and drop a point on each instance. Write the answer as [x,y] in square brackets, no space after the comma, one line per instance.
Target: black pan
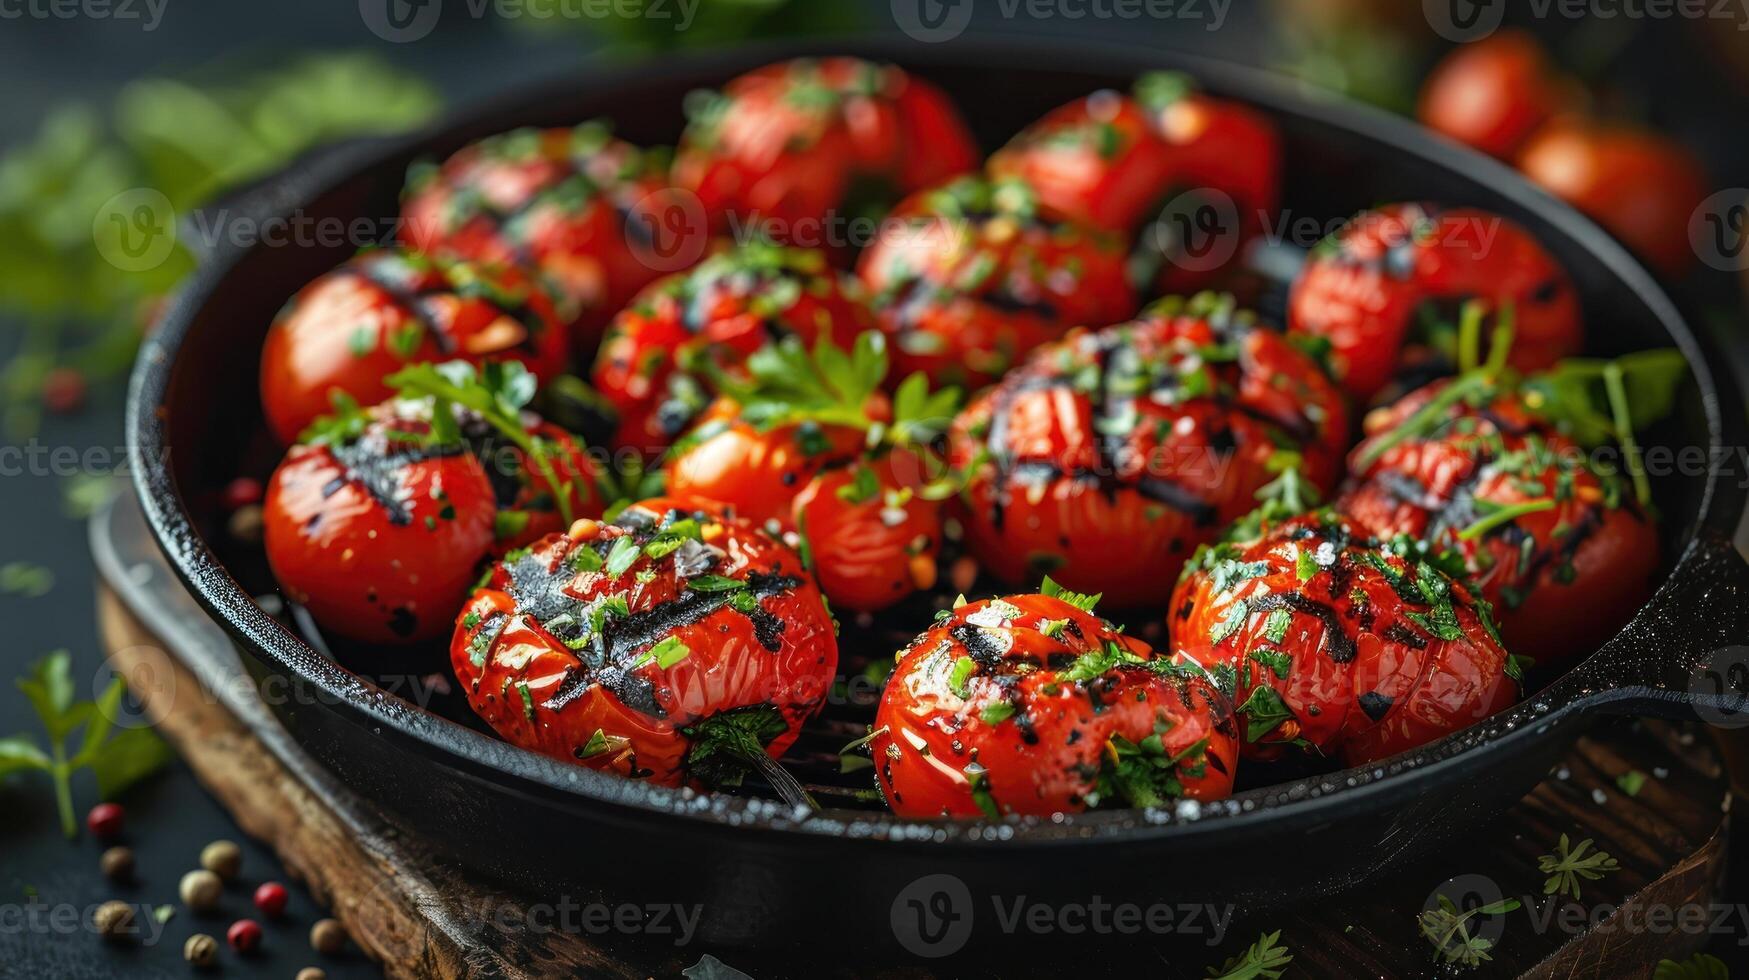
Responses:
[766,873]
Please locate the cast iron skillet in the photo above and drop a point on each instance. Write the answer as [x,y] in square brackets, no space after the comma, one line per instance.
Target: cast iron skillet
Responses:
[765,872]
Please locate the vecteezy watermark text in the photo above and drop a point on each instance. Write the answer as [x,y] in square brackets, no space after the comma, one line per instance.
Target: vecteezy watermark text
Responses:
[1464,21]
[933,21]
[147,13]
[401,21]
[936,915]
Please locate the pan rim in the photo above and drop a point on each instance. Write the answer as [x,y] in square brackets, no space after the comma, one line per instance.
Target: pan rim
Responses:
[508,768]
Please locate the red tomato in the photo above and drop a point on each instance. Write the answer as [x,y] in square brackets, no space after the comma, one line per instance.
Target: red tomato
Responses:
[385,309]
[1493,94]
[1030,705]
[558,201]
[1562,579]
[1339,643]
[1109,457]
[1641,187]
[527,499]
[379,533]
[655,366]
[1369,287]
[1114,162]
[873,537]
[757,471]
[791,145]
[969,277]
[670,645]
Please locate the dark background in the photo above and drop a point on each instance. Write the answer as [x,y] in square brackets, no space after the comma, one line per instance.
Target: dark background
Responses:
[1679,76]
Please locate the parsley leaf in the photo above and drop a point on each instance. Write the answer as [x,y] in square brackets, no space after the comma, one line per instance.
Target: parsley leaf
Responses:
[117,760]
[1570,863]
[1266,959]
[1079,600]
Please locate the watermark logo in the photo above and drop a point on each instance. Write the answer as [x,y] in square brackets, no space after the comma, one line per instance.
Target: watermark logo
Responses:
[667,229]
[1198,230]
[932,916]
[135,231]
[400,21]
[1720,684]
[1718,230]
[1463,21]
[932,21]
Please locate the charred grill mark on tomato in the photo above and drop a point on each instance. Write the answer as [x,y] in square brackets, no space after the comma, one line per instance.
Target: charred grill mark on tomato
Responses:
[1114,452]
[1032,705]
[1393,618]
[1558,546]
[642,646]
[1339,646]
[379,470]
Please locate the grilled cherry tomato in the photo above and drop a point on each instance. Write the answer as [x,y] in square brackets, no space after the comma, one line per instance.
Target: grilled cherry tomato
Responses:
[561,202]
[1337,642]
[1494,93]
[1109,457]
[527,498]
[657,364]
[794,145]
[354,326]
[1641,187]
[1561,550]
[677,644]
[1031,705]
[756,470]
[378,530]
[970,276]
[1155,168]
[1369,287]
[873,534]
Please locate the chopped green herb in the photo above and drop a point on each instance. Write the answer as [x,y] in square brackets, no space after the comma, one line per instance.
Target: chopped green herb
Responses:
[620,557]
[1264,710]
[963,669]
[997,712]
[1236,616]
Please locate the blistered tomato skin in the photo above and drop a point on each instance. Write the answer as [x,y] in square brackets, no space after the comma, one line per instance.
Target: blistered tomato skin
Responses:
[1336,643]
[1565,573]
[665,646]
[803,147]
[559,201]
[721,312]
[873,537]
[1368,287]
[379,538]
[1109,457]
[1029,705]
[1115,161]
[385,309]
[971,276]
[756,471]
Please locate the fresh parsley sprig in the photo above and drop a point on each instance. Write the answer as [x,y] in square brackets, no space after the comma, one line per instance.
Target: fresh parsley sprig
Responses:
[117,759]
[1265,959]
[496,392]
[1448,929]
[1571,862]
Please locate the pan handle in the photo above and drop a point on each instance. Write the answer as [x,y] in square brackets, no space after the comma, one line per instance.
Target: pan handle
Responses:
[1686,655]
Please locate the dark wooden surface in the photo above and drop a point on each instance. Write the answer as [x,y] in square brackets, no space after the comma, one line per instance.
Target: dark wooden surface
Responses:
[419,918]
